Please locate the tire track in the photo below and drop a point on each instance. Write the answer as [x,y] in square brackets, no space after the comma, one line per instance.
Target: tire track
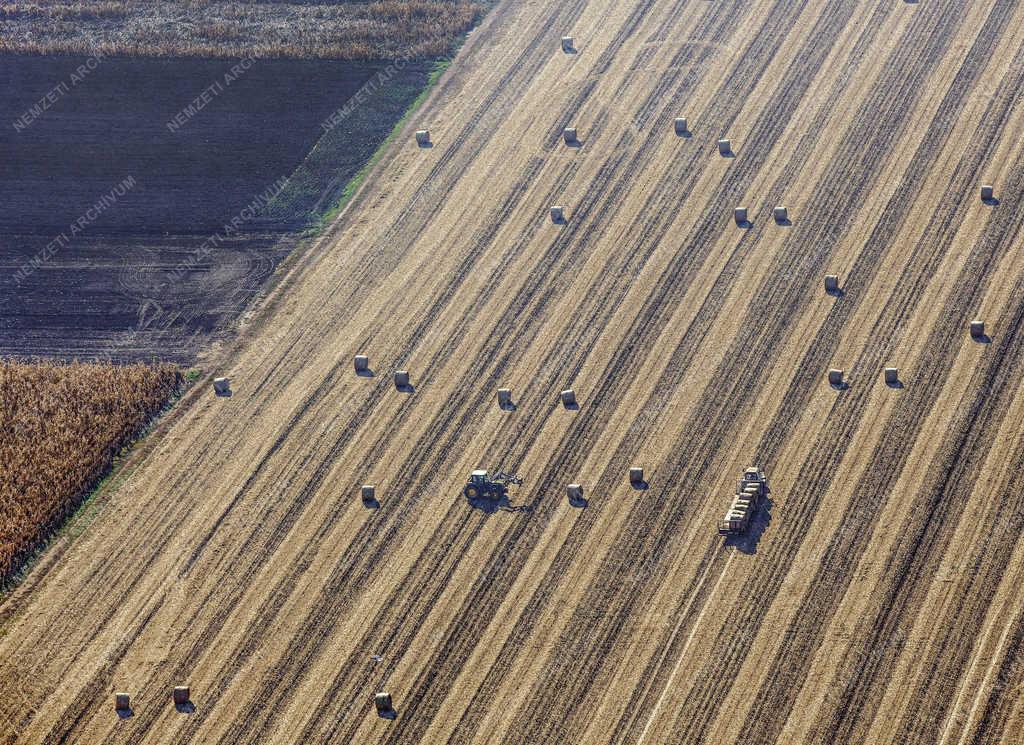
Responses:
[628,723]
[769,706]
[602,397]
[579,626]
[702,705]
[445,418]
[585,324]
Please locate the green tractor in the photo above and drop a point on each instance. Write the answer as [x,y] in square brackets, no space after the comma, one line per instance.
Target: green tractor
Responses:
[483,486]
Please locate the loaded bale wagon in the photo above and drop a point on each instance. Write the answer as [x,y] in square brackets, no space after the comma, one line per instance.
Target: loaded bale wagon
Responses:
[751,487]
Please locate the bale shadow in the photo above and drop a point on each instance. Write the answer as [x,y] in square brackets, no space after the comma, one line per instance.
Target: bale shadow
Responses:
[408,388]
[639,485]
[838,292]
[510,406]
[896,384]
[371,504]
[559,221]
[991,201]
[746,542]
[580,503]
[727,154]
[575,144]
[186,708]
[786,223]
[840,386]
[983,339]
[574,406]
[367,373]
[223,394]
[390,714]
[686,134]
[745,225]
[125,713]
[425,145]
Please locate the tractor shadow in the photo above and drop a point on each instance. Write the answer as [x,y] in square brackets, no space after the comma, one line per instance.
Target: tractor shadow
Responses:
[747,542]
[490,506]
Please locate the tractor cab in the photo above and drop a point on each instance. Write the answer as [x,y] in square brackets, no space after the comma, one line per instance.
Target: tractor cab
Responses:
[482,484]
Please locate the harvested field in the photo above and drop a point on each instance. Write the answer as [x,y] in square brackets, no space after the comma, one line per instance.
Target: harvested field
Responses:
[877,597]
[62,426]
[336,29]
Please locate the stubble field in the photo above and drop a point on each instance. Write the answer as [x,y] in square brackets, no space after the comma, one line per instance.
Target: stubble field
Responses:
[878,597]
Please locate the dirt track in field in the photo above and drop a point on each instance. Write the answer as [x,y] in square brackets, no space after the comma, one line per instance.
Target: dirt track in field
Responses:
[878,596]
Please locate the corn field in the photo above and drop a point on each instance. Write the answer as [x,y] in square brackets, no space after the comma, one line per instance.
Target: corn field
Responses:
[61,425]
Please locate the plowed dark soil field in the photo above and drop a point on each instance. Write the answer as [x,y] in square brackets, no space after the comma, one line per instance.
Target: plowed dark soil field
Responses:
[145,201]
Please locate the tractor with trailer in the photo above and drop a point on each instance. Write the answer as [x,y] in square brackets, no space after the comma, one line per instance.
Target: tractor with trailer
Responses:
[482,485]
[751,488]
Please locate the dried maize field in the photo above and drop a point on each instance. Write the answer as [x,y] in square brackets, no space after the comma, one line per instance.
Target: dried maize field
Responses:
[877,596]
[60,428]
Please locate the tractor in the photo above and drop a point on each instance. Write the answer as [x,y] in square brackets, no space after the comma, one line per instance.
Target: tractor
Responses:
[482,485]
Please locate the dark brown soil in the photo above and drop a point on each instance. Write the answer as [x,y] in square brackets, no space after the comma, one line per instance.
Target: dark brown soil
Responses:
[215,199]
